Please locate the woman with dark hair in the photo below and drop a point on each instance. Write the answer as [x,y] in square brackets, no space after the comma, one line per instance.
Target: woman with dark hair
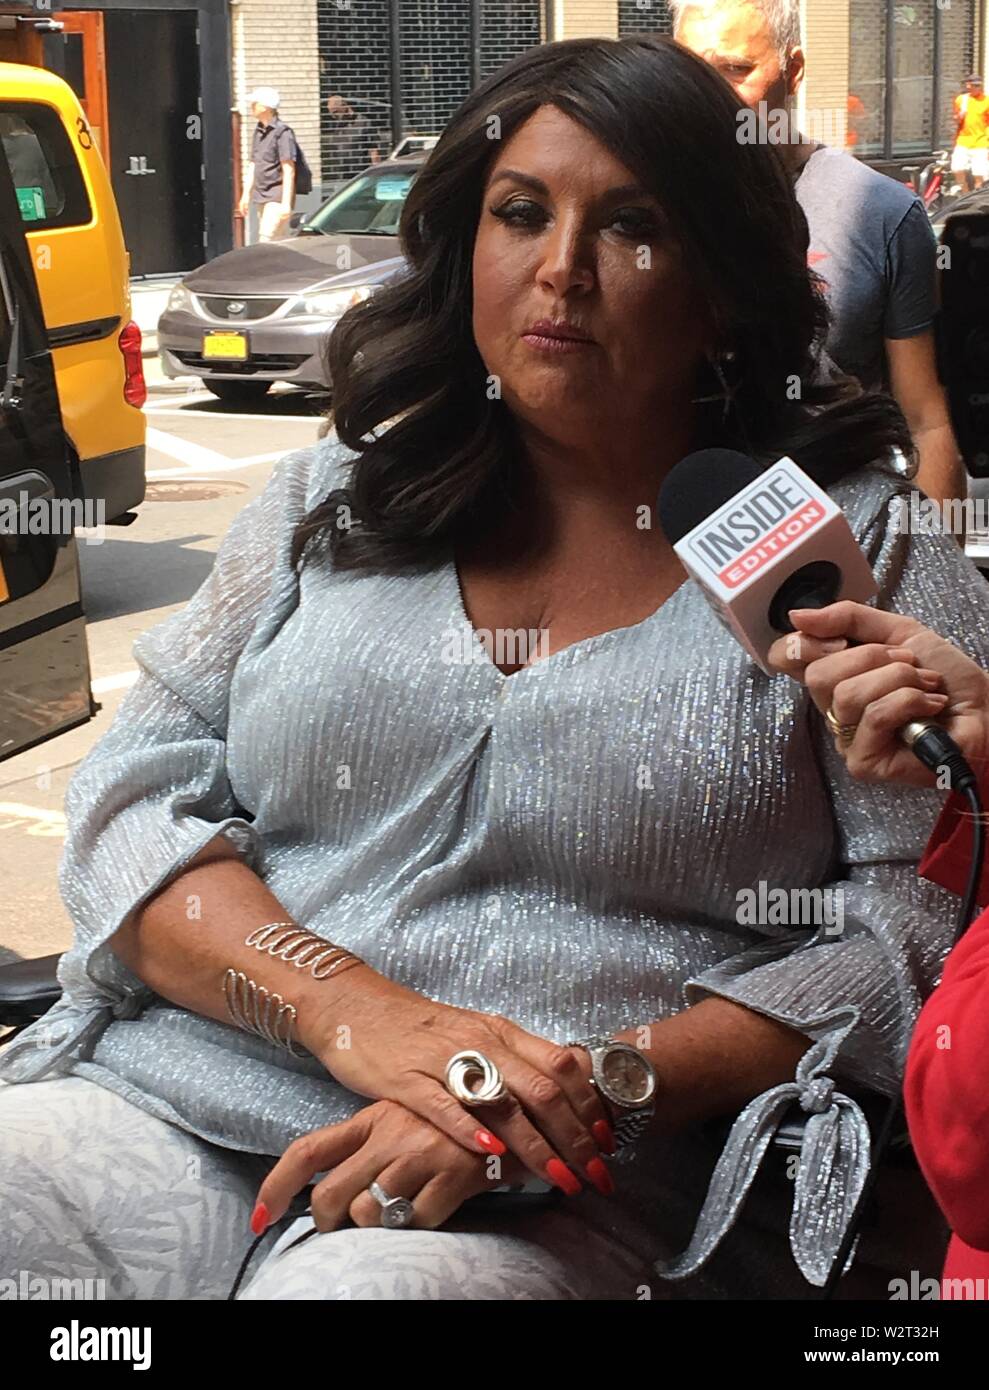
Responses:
[376,895]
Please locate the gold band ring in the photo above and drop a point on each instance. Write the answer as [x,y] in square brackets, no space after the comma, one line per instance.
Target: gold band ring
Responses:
[844,732]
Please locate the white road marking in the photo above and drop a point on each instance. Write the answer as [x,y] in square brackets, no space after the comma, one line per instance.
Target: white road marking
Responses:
[118,682]
[227,466]
[171,409]
[188,453]
[172,399]
[15,815]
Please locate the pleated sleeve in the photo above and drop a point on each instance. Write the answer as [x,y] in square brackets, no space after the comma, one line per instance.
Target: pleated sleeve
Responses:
[155,790]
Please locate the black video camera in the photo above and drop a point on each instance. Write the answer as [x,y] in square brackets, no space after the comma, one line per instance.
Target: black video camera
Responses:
[963,333]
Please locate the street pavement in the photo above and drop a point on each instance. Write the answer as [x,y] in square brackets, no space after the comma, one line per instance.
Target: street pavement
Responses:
[205,462]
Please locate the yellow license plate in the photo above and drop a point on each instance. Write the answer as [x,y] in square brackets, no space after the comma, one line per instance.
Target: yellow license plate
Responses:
[228,345]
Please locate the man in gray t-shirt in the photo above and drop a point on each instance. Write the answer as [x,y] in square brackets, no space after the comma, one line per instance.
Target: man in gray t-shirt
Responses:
[872,244]
[869,236]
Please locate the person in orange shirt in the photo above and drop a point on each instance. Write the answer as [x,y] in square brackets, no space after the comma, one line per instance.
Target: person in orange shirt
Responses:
[856,113]
[970,161]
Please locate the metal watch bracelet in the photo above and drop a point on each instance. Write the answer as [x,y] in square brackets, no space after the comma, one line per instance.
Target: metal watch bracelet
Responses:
[628,1123]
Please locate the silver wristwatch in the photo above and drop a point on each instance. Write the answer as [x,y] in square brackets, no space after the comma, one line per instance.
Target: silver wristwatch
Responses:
[626,1080]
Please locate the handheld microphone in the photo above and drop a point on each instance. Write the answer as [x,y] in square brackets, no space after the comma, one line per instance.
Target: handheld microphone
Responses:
[762,541]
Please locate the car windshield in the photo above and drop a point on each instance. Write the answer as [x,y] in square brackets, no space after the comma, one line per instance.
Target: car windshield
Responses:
[370,204]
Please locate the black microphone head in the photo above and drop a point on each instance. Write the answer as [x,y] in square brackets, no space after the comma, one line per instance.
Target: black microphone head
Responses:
[698,485]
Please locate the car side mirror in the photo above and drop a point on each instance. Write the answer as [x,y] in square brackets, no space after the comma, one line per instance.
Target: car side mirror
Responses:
[297,220]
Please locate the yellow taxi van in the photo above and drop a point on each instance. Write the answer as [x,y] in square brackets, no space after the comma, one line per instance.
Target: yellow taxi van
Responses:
[76,245]
[44,663]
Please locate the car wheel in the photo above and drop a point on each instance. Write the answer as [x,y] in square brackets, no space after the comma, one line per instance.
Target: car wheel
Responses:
[238,392]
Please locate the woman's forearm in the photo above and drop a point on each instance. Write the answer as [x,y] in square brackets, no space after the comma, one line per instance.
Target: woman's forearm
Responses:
[713,1058]
[183,941]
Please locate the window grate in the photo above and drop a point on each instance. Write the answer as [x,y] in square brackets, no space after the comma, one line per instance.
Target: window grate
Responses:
[354,64]
[508,28]
[907,63]
[435,61]
[643,17]
[438,49]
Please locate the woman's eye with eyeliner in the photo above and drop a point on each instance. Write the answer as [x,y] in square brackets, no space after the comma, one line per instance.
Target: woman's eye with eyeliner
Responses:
[521,212]
[637,223]
[634,223]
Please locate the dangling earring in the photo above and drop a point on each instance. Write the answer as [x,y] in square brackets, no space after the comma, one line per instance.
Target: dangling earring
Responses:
[727,393]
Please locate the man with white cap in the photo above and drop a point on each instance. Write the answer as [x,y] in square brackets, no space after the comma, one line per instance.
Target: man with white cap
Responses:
[269,180]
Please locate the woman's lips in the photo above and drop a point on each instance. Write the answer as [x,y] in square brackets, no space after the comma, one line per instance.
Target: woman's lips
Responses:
[555,340]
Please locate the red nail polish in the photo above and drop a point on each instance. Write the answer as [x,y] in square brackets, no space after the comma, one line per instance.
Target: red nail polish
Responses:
[260,1217]
[600,1177]
[558,1173]
[490,1142]
[603,1136]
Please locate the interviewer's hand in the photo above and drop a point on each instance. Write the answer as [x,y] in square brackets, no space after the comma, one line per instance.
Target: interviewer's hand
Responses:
[388,1144]
[389,1043]
[902,671]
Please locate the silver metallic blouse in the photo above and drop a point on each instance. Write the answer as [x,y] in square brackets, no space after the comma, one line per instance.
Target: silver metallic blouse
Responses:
[573,846]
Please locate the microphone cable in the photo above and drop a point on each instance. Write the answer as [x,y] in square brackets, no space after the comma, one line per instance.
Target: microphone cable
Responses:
[969,789]
[299,1206]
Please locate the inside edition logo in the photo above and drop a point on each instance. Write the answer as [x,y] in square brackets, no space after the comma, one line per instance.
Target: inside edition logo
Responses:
[756,527]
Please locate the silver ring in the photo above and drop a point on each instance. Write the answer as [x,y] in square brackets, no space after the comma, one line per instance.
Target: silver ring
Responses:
[464,1068]
[396,1212]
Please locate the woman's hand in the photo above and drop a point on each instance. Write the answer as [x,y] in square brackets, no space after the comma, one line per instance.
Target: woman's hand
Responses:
[388,1144]
[903,671]
[389,1043]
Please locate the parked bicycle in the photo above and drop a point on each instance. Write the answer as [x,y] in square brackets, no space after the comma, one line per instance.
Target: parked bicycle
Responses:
[933,183]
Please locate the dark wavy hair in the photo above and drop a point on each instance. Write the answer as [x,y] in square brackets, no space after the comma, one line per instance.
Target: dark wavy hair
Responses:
[406,357]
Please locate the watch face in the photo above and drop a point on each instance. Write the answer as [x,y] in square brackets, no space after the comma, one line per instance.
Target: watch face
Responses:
[627,1076]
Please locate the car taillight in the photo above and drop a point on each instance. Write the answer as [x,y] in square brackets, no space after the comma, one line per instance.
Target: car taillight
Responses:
[135,390]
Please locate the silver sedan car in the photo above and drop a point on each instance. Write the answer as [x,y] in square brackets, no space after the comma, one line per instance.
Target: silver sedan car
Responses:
[262,313]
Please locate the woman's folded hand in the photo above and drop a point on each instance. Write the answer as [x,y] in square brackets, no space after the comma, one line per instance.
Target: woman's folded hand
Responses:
[388,1043]
[388,1144]
[901,671]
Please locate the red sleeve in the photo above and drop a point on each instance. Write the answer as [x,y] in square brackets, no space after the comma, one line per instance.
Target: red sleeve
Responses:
[949,850]
[946,1088]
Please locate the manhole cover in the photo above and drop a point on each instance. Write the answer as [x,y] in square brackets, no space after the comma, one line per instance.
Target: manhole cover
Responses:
[192,489]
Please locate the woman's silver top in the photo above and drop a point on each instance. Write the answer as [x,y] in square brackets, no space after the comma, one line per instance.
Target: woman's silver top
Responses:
[581,846]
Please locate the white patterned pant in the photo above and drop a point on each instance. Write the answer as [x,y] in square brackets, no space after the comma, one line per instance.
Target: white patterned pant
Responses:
[94,1188]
